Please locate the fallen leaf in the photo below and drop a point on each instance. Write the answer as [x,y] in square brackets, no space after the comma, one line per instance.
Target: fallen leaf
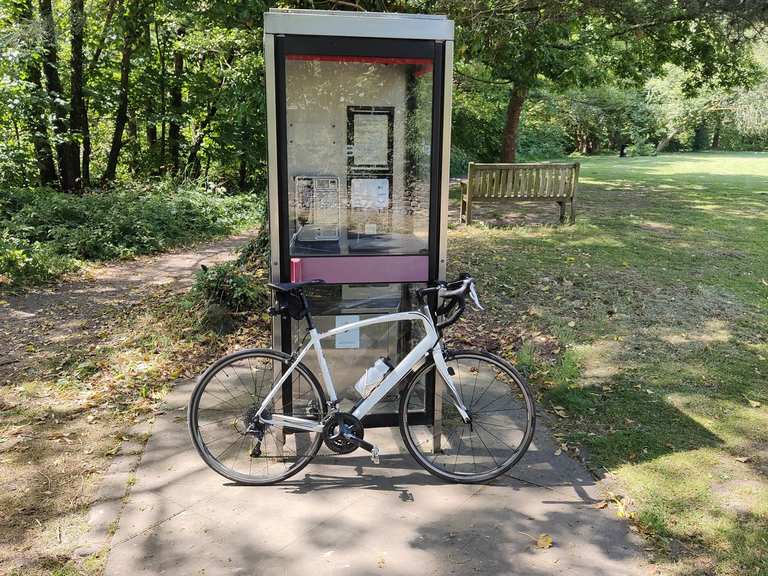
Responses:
[560,411]
[571,323]
[600,505]
[544,541]
[744,459]
[753,403]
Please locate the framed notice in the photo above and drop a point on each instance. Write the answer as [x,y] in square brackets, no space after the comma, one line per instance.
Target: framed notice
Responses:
[370,138]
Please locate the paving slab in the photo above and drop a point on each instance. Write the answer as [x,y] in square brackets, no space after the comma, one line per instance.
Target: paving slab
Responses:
[346,515]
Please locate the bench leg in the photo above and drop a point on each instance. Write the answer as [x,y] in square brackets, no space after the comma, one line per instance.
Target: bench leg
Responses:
[562,212]
[572,218]
[466,211]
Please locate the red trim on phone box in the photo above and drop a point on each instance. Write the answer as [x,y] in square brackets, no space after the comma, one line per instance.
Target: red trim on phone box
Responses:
[361,269]
[425,63]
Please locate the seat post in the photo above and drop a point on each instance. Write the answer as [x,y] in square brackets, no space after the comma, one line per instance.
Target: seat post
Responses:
[307,313]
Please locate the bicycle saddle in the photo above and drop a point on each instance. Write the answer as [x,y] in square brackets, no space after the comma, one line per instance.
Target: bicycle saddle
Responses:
[291,286]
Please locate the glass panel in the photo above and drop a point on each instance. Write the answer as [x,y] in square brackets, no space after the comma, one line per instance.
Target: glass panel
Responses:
[358,154]
[348,354]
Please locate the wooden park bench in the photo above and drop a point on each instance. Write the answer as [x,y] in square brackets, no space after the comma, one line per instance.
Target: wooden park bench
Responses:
[520,182]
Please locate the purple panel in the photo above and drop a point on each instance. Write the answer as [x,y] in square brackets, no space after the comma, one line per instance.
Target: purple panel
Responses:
[361,269]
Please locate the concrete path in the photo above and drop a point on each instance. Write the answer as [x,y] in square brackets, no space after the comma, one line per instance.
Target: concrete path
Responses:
[345,515]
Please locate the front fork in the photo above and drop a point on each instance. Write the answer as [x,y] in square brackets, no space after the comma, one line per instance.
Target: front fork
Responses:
[442,367]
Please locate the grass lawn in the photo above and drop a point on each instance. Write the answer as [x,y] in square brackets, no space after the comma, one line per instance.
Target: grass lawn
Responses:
[646,332]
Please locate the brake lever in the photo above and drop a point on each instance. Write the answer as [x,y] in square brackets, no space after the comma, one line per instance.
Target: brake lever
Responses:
[475,298]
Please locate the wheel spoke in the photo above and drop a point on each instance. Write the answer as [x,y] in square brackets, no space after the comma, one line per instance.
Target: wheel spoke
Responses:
[480,451]
[218,399]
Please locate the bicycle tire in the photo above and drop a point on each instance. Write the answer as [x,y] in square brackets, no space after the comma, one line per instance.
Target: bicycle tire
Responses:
[203,448]
[462,433]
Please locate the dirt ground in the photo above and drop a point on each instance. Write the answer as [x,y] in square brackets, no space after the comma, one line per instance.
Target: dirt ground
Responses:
[58,428]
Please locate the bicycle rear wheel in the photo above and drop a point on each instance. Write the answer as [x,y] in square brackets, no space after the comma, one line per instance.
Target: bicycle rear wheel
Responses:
[502,418]
[222,412]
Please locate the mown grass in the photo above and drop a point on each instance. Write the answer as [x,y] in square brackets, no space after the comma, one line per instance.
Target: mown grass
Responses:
[647,333]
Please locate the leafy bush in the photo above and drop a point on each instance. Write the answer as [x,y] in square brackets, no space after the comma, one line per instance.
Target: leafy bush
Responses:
[228,285]
[22,262]
[133,219]
[459,162]
[641,149]
[255,254]
[224,293]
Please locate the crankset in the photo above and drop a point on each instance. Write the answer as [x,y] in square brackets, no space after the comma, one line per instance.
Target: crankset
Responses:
[343,434]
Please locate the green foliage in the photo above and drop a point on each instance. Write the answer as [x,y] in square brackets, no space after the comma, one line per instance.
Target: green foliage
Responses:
[642,149]
[23,262]
[479,108]
[44,231]
[230,286]
[542,134]
[126,221]
[255,253]
[224,294]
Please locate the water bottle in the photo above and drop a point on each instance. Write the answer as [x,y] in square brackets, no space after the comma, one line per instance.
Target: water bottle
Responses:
[373,376]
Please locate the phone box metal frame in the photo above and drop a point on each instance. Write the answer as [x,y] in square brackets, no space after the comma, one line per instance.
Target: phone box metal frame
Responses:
[342,47]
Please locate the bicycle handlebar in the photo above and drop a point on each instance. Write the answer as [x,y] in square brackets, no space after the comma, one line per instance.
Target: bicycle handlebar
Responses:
[445,293]
[454,299]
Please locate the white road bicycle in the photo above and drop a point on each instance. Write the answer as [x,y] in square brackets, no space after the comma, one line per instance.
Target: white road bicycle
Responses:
[259,416]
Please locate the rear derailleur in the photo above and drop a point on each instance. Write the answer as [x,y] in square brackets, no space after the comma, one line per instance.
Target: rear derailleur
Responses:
[255,427]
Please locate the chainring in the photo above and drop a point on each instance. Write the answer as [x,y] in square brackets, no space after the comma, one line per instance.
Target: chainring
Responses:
[333,432]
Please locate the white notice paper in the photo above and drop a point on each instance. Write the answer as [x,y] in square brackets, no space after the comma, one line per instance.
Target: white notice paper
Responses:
[351,338]
[371,140]
[370,193]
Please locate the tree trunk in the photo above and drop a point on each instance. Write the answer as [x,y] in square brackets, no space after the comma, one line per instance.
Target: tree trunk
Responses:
[121,116]
[111,7]
[242,173]
[86,174]
[64,152]
[174,132]
[716,132]
[134,146]
[700,139]
[512,127]
[77,105]
[192,160]
[161,58]
[149,101]
[37,116]
[664,142]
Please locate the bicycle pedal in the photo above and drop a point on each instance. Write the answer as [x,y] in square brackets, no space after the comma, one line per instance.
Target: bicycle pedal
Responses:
[375,455]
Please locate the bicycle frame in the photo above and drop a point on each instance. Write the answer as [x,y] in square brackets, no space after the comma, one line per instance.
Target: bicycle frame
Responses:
[429,344]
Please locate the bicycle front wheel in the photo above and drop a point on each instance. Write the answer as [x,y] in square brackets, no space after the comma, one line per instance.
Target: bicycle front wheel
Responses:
[502,418]
[228,436]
